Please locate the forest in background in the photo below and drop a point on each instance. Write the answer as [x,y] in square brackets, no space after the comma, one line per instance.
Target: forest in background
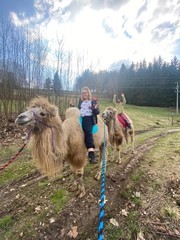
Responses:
[148,84]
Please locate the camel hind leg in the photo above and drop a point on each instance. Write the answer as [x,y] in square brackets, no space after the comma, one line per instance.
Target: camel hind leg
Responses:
[132,141]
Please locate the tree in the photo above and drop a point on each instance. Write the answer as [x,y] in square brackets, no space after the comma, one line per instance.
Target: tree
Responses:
[57,83]
[48,84]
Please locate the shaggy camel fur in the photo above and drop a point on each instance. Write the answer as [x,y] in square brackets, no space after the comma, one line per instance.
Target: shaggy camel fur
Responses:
[116,131]
[53,141]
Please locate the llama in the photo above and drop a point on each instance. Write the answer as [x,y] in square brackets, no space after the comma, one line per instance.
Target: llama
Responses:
[118,132]
[53,141]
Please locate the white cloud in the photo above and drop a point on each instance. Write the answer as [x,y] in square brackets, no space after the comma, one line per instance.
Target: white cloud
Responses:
[109,31]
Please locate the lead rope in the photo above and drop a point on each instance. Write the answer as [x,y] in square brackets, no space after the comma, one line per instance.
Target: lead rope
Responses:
[102,198]
[17,154]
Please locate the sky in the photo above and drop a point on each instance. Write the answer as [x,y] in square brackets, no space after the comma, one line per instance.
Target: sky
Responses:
[107,32]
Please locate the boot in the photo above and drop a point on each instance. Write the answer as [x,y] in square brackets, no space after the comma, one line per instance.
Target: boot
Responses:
[92,158]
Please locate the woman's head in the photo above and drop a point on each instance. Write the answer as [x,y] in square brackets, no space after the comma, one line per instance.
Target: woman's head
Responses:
[86,93]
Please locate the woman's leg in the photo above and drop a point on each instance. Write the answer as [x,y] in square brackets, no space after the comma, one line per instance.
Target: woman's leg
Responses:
[89,141]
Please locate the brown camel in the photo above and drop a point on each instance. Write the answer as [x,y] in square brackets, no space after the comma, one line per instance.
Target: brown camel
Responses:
[53,141]
[117,132]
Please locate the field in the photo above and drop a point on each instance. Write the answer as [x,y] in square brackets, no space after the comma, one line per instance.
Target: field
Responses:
[142,193]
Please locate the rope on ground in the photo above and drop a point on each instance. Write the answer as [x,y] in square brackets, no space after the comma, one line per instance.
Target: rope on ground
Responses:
[17,154]
[102,198]
[13,158]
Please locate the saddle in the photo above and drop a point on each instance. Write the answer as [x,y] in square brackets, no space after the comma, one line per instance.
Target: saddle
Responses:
[123,119]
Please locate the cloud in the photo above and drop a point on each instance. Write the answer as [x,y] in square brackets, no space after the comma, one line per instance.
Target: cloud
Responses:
[163,30]
[142,9]
[110,4]
[108,28]
[127,34]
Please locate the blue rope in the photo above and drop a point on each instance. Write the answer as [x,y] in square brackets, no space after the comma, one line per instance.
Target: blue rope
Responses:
[102,198]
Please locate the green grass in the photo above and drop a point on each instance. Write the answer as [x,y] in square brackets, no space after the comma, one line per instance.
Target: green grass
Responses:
[6,221]
[169,213]
[59,198]
[16,171]
[114,233]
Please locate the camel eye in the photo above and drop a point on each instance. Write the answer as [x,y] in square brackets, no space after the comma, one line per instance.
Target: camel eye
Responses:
[43,114]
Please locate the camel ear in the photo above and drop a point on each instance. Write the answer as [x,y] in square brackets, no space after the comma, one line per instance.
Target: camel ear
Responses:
[114,112]
[54,111]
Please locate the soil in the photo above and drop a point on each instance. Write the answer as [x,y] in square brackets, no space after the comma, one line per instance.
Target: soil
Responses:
[79,218]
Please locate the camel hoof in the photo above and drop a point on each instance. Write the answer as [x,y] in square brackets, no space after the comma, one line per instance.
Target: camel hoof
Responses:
[98,176]
[73,188]
[80,193]
[118,161]
[111,160]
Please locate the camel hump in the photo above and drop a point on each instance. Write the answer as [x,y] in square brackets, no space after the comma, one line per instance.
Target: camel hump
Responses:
[72,112]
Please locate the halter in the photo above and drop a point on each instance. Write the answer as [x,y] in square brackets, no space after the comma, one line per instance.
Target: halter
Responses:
[51,127]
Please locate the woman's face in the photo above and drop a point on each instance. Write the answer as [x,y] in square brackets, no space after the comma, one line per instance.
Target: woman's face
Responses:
[84,94]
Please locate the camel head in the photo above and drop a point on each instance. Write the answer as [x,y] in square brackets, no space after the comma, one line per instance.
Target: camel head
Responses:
[108,114]
[39,112]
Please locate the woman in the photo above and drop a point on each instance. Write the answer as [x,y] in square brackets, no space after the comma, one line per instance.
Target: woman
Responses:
[89,110]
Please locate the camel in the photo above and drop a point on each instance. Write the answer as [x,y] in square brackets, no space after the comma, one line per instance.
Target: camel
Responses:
[53,141]
[117,132]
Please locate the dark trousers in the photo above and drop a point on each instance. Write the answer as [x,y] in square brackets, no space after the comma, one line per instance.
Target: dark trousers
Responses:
[87,124]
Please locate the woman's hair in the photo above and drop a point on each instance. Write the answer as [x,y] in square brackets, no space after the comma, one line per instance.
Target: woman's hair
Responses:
[89,92]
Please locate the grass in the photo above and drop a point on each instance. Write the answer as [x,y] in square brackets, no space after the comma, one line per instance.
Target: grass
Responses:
[169,213]
[59,198]
[114,233]
[16,171]
[6,222]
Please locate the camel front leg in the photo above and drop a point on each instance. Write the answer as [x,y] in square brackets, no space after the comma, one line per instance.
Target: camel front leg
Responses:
[118,161]
[81,188]
[74,186]
[78,184]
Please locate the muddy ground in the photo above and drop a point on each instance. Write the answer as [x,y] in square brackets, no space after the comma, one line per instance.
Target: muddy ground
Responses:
[133,209]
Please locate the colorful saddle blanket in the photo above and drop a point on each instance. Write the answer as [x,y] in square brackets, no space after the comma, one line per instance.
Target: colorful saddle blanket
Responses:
[94,129]
[123,120]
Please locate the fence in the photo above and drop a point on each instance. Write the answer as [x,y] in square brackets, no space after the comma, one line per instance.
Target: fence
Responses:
[20,98]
